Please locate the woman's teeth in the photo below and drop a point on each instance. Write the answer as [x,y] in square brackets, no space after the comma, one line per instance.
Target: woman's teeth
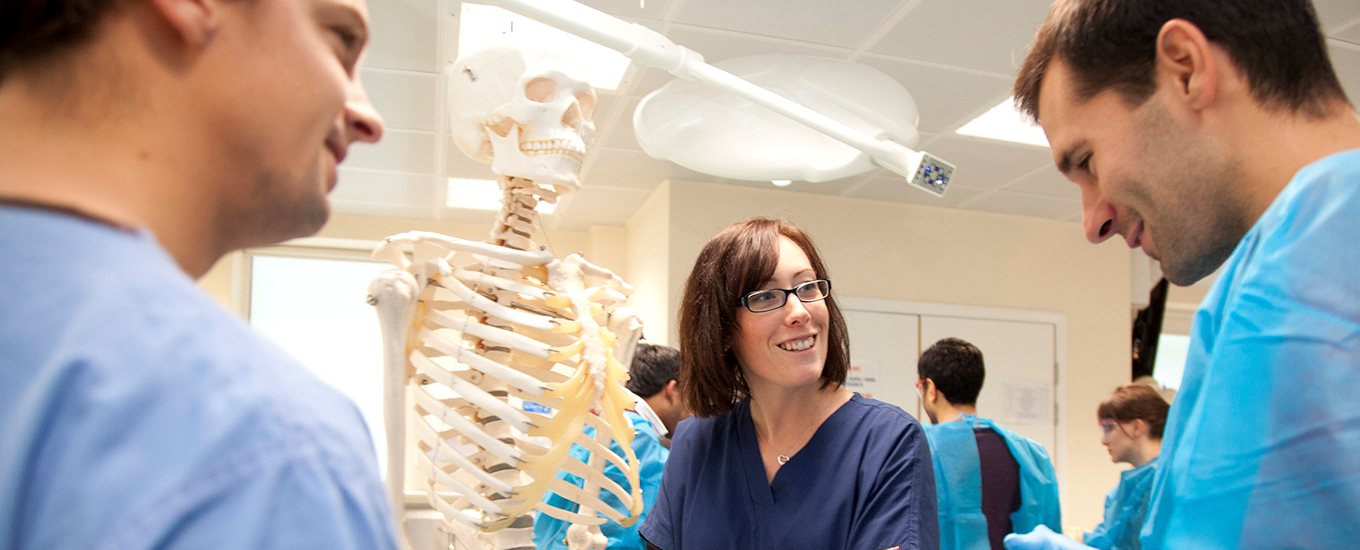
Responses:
[798,345]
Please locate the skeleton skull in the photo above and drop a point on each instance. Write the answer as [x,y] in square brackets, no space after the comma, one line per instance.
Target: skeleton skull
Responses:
[520,111]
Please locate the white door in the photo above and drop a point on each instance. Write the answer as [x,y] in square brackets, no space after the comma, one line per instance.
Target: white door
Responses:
[883,351]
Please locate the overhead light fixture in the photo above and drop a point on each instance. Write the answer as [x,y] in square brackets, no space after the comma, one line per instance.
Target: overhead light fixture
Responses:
[475,194]
[781,183]
[1004,123]
[480,26]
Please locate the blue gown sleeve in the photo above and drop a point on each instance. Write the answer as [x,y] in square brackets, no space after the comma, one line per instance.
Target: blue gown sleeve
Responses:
[292,503]
[900,509]
[1263,444]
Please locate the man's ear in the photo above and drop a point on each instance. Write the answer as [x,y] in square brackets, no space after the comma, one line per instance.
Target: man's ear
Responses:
[1185,63]
[194,22]
[672,391]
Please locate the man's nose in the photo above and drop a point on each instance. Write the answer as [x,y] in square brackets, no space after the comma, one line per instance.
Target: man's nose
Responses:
[362,121]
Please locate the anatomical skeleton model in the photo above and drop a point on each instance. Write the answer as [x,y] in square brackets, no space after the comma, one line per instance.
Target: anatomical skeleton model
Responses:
[508,354]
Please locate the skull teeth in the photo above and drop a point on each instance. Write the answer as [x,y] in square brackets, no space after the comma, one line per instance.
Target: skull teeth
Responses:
[558,147]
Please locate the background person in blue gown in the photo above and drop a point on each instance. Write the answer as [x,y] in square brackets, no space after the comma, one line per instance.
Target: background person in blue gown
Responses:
[1131,423]
[990,481]
[654,376]
[1215,135]
[780,455]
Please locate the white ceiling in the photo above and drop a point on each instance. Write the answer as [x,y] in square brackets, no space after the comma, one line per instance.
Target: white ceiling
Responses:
[957,57]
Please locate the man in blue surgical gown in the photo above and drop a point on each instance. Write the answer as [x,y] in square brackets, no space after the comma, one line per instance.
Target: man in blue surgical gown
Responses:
[990,481]
[1216,134]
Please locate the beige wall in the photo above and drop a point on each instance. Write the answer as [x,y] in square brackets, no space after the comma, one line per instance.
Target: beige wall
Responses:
[873,250]
[649,265]
[925,254]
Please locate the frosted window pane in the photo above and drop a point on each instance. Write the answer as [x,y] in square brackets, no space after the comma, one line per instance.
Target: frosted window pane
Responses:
[1172,350]
[316,309]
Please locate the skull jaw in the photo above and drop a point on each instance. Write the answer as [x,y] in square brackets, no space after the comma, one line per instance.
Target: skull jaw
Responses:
[559,171]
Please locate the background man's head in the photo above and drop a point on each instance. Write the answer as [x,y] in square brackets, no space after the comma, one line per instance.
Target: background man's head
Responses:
[951,370]
[654,376]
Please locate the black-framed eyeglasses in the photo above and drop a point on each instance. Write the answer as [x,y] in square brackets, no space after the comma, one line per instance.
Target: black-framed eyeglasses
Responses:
[771,299]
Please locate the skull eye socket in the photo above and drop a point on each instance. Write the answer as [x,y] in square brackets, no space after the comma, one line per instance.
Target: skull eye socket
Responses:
[587,102]
[540,89]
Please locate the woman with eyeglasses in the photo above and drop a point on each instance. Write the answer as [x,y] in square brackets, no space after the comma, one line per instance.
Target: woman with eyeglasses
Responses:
[1131,423]
[779,453]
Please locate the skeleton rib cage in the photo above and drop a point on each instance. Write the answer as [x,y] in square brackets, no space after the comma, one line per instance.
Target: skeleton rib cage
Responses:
[507,359]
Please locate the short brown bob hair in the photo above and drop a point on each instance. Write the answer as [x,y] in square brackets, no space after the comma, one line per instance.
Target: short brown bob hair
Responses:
[736,261]
[1136,402]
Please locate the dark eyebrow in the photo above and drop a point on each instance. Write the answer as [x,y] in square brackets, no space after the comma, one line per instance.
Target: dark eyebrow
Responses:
[1065,160]
[356,23]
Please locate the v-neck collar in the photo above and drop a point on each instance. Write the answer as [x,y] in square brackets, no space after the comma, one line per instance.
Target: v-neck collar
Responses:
[762,492]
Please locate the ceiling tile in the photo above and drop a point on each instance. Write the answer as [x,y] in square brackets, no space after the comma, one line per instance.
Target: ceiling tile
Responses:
[399,151]
[406,100]
[1047,182]
[985,163]
[805,20]
[405,35]
[633,169]
[983,35]
[946,98]
[621,134]
[1021,204]
[1350,35]
[1334,14]
[1346,61]
[458,165]
[375,193]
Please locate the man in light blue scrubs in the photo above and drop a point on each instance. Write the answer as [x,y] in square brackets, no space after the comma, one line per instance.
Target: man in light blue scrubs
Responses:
[141,141]
[1216,135]
[990,481]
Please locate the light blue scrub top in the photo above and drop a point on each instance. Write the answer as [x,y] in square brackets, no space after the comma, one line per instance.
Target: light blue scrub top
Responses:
[1262,446]
[1125,509]
[958,479]
[551,533]
[136,413]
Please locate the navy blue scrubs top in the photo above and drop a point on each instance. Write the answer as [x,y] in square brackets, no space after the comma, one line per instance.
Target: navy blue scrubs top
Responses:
[864,481]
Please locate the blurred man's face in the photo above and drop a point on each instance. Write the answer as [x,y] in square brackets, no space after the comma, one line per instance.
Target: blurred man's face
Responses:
[289,106]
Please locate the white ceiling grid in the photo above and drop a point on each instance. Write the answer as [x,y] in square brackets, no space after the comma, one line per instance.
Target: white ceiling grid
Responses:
[957,57]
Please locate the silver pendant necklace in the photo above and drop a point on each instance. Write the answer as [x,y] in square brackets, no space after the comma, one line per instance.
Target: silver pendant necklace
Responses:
[781,458]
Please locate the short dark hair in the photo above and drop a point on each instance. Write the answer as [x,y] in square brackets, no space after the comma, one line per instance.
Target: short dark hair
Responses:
[1110,45]
[956,368]
[1136,402]
[35,30]
[653,367]
[736,261]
